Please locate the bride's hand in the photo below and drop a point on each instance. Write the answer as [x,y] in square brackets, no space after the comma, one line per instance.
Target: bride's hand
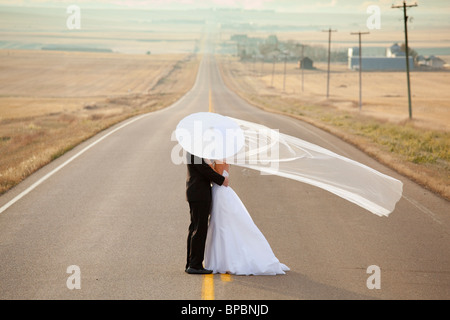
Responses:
[226,182]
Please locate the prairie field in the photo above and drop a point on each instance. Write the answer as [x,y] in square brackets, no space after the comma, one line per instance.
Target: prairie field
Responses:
[418,148]
[384,94]
[38,82]
[50,101]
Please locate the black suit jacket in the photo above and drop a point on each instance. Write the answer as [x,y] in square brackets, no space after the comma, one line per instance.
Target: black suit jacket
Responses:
[199,178]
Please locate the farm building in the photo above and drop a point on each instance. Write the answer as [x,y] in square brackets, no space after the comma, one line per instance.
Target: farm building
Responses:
[305,63]
[431,62]
[380,63]
[394,51]
[390,62]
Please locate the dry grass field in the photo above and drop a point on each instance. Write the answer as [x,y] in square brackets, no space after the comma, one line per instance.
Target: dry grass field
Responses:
[384,94]
[50,101]
[418,148]
[34,82]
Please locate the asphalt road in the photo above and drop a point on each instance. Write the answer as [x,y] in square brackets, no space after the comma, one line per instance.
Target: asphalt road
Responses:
[115,207]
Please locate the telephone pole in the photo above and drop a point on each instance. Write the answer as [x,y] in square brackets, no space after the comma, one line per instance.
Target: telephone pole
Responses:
[405,18]
[284,77]
[360,66]
[329,52]
[273,70]
[302,66]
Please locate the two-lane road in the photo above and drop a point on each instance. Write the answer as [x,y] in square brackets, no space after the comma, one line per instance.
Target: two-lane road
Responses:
[115,207]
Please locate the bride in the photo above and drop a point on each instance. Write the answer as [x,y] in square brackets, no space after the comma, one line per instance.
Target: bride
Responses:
[234,244]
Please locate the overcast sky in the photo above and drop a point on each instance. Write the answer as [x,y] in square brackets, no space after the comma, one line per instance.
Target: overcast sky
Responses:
[332,6]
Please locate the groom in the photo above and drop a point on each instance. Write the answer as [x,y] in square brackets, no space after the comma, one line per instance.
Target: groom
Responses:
[198,194]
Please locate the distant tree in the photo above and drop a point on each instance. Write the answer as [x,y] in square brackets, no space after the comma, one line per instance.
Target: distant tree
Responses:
[272,39]
[413,53]
[267,48]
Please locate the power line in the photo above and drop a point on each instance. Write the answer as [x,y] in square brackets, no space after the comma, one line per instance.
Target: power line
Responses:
[329,51]
[405,17]
[360,66]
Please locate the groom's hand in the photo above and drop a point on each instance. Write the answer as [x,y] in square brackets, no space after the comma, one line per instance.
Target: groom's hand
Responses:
[226,182]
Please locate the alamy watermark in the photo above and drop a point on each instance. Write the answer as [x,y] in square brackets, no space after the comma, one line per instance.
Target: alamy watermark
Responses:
[74,280]
[374,20]
[74,19]
[374,280]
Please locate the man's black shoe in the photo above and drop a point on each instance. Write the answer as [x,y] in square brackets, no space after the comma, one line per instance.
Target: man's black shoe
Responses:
[198,271]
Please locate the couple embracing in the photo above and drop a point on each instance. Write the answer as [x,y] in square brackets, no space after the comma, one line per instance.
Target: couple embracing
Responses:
[222,236]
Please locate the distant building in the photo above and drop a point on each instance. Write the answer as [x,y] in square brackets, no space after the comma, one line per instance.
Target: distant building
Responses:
[380,63]
[430,62]
[394,51]
[435,62]
[421,60]
[393,61]
[305,63]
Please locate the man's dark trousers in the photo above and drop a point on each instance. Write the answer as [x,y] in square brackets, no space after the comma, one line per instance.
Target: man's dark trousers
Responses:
[198,194]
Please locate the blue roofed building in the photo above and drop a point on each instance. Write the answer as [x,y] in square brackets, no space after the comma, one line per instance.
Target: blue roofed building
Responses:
[373,59]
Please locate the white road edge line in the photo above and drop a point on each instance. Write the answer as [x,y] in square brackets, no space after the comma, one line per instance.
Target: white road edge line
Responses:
[48,175]
[422,208]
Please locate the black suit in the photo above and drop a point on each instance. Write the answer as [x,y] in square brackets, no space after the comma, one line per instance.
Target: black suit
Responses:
[198,194]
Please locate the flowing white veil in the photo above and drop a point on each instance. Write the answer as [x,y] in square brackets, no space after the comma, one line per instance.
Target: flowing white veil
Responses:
[276,153]
[271,152]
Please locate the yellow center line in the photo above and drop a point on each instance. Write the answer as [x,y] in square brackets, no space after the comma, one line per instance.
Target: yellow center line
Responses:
[208,279]
[208,284]
[208,287]
[211,107]
[225,277]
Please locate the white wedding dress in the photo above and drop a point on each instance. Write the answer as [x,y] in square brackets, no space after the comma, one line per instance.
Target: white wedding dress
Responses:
[234,244]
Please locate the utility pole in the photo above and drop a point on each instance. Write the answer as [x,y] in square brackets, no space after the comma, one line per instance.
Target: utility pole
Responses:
[273,69]
[329,53]
[284,77]
[405,18]
[360,66]
[302,66]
